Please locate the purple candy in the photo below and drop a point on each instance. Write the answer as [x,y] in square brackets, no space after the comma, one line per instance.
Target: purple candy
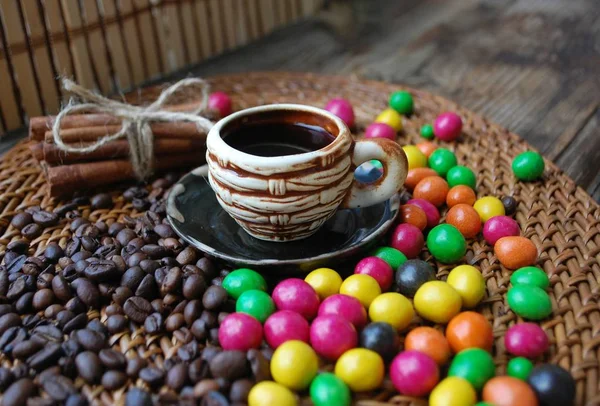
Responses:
[298,296]
[331,336]
[343,109]
[407,239]
[220,102]
[431,212]
[380,130]
[447,126]
[380,270]
[414,373]
[344,306]
[498,227]
[526,340]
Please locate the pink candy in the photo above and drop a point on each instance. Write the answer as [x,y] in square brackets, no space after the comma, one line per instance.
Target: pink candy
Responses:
[343,109]
[347,307]
[239,331]
[298,296]
[431,212]
[447,126]
[286,325]
[221,102]
[414,373]
[331,336]
[380,130]
[408,239]
[498,227]
[380,270]
[526,340]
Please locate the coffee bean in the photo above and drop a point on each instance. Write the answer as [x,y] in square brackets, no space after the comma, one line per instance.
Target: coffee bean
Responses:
[89,243]
[154,251]
[46,357]
[71,348]
[89,366]
[125,236]
[17,288]
[214,398]
[205,386]
[73,248]
[6,378]
[18,246]
[210,318]
[9,320]
[177,377]
[5,309]
[137,309]
[134,366]
[59,387]
[140,204]
[199,329]
[48,373]
[147,288]
[112,380]
[61,288]
[90,340]
[61,211]
[230,365]
[45,219]
[153,376]
[101,271]
[76,400]
[4,282]
[101,201]
[27,348]
[136,257]
[42,299]
[172,281]
[240,389]
[20,371]
[214,297]
[48,333]
[52,311]
[138,397]
[169,262]
[77,322]
[149,265]
[112,359]
[87,292]
[113,309]
[192,311]
[116,323]
[97,326]
[259,365]
[39,401]
[77,222]
[189,351]
[132,277]
[24,303]
[81,265]
[207,267]
[164,231]
[188,256]
[53,252]
[21,219]
[44,281]
[134,192]
[154,323]
[18,393]
[174,321]
[16,264]
[75,305]
[172,244]
[194,287]
[120,295]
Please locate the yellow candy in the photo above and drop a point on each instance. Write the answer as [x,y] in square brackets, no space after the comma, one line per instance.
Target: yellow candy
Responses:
[488,207]
[469,283]
[294,364]
[416,159]
[453,391]
[392,308]
[325,282]
[361,369]
[391,118]
[362,287]
[269,393]
[437,301]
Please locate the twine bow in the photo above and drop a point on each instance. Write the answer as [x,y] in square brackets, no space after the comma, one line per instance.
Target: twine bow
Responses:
[136,120]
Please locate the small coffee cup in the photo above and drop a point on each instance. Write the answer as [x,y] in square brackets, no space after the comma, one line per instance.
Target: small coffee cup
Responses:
[282,170]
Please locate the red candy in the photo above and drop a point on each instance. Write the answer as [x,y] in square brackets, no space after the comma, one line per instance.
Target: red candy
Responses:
[239,331]
[343,109]
[346,307]
[221,102]
[286,325]
[432,213]
[380,130]
[331,336]
[447,126]
[298,296]
[526,340]
[377,268]
[408,239]
[414,373]
[498,227]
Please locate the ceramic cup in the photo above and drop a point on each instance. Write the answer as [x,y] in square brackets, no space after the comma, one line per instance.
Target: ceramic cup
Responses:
[288,197]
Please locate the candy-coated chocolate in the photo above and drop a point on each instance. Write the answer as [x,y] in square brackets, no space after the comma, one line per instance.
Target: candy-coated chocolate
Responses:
[269,393]
[241,280]
[488,207]
[519,368]
[510,205]
[473,364]
[526,340]
[460,194]
[402,102]
[361,369]
[433,189]
[529,302]
[469,283]
[427,131]
[377,268]
[256,303]
[412,274]
[447,126]
[327,389]
[298,296]
[416,159]
[553,385]
[286,325]
[446,243]
[461,175]
[392,256]
[442,160]
[453,391]
[416,175]
[380,130]
[239,331]
[407,239]
[528,166]
[331,336]
[437,301]
[324,281]
[483,404]
[391,118]
[427,148]
[508,391]
[516,252]
[380,337]
[294,364]
[498,227]
[414,373]
[465,219]
[347,307]
[411,214]
[428,341]
[432,213]
[392,308]
[469,330]
[530,275]
[343,109]
[220,101]
[363,287]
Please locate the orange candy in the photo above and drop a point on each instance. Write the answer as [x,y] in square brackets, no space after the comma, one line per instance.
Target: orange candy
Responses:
[412,214]
[427,147]
[465,219]
[433,189]
[429,341]
[515,252]
[469,330]
[460,194]
[508,391]
[416,175]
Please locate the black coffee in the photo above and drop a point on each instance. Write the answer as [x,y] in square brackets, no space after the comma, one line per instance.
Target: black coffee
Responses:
[277,139]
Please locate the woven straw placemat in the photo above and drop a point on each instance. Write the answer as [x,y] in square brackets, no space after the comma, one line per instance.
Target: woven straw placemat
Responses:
[560,218]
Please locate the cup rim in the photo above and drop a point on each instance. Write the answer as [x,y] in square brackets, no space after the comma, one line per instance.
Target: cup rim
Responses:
[214,141]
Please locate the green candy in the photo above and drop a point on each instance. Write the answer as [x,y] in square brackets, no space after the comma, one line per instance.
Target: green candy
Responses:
[446,243]
[475,365]
[241,280]
[427,131]
[392,256]
[256,303]
[519,368]
[483,404]
[529,302]
[530,276]
[327,389]
[442,160]
[402,102]
[461,175]
[528,165]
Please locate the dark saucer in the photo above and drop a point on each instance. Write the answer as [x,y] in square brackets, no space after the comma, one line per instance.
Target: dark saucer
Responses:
[195,214]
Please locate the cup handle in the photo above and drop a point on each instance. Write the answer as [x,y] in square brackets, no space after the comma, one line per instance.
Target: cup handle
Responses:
[395,168]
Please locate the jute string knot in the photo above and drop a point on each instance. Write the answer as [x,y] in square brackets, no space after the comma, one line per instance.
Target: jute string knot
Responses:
[136,120]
